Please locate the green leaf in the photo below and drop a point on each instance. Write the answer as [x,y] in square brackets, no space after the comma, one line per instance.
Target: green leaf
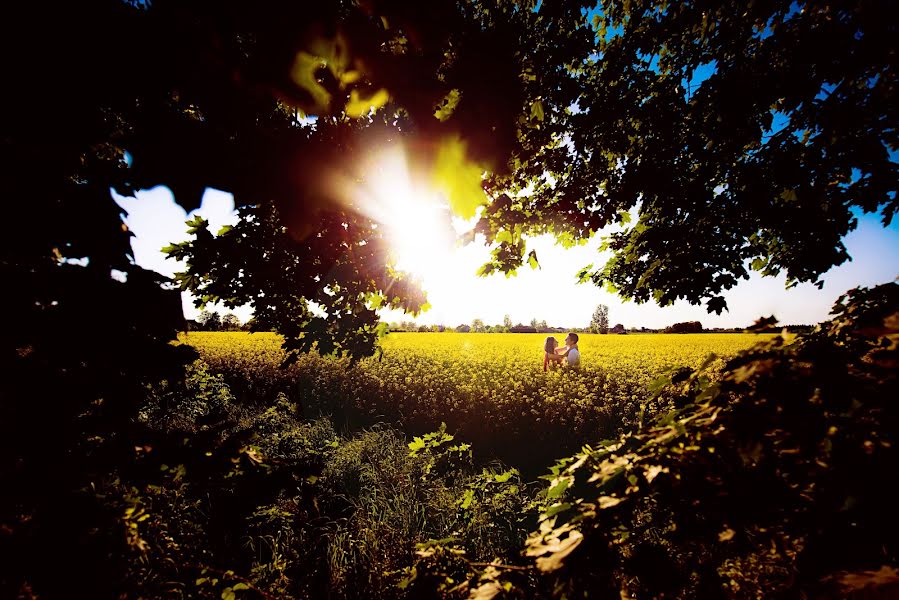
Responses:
[416,445]
[585,274]
[375,301]
[716,304]
[789,196]
[708,361]
[458,177]
[557,508]
[197,221]
[608,501]
[658,384]
[448,105]
[537,110]
[359,106]
[485,270]
[303,73]
[558,488]
[503,478]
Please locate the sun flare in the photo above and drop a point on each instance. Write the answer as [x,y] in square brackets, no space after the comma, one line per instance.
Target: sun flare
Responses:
[418,225]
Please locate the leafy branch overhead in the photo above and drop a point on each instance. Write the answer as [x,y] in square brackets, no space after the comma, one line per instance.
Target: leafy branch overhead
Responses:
[734,138]
[320,293]
[737,135]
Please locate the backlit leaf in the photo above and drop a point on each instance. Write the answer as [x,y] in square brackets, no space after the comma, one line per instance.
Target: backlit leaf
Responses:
[458,178]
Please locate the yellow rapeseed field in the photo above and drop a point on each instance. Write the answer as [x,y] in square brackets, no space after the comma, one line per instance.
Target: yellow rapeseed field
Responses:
[646,352]
[489,388]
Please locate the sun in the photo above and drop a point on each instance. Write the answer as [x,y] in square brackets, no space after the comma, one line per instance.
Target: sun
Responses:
[418,226]
[419,236]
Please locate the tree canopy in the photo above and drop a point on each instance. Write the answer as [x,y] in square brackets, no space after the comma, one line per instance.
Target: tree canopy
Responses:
[579,116]
[788,135]
[599,322]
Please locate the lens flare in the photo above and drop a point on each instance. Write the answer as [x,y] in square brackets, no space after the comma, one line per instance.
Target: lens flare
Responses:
[417,223]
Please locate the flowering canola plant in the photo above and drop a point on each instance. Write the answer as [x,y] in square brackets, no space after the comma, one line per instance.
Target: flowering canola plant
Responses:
[489,388]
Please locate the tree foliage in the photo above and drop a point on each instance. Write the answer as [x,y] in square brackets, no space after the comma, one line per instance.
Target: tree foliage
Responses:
[771,481]
[230,322]
[790,133]
[319,293]
[576,128]
[685,327]
[599,322]
[210,320]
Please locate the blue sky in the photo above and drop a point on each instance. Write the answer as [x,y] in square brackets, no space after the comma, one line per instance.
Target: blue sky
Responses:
[551,293]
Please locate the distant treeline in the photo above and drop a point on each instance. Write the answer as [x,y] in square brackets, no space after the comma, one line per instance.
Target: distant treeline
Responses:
[684,327]
[213,321]
[464,328]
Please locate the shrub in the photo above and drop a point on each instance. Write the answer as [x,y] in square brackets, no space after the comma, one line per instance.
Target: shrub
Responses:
[776,480]
[234,497]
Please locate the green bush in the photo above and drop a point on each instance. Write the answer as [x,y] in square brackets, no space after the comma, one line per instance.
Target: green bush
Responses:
[241,499]
[778,480]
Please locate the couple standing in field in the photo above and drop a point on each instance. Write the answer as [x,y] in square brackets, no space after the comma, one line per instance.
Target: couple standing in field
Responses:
[567,355]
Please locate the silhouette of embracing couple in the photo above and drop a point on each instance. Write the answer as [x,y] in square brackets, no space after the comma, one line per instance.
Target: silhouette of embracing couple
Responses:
[568,355]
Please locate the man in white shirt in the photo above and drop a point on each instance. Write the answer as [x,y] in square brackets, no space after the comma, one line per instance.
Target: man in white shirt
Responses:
[573,356]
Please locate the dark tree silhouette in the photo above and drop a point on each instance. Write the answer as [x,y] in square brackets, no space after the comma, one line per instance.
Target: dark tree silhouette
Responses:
[785,141]
[685,327]
[230,322]
[210,320]
[788,136]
